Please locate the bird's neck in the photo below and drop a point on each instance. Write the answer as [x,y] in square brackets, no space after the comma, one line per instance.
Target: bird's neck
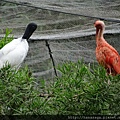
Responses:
[99,36]
[99,33]
[22,39]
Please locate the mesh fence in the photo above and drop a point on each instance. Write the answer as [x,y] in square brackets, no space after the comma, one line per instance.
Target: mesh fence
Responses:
[67,25]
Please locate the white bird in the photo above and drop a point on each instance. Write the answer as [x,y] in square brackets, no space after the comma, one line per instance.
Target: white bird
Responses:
[15,52]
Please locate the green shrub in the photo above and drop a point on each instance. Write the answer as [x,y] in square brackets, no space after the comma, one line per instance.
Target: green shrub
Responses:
[16,90]
[6,39]
[85,90]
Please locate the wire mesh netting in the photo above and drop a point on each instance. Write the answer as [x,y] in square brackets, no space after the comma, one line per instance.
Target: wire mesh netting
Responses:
[67,25]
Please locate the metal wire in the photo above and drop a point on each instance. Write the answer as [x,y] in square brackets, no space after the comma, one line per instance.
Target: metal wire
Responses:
[50,53]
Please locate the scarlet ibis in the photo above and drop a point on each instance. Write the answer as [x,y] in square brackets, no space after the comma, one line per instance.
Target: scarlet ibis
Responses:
[15,52]
[106,55]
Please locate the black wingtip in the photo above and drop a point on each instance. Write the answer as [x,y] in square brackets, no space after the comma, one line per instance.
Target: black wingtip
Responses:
[31,27]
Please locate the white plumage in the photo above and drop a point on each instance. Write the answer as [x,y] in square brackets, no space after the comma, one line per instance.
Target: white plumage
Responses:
[15,52]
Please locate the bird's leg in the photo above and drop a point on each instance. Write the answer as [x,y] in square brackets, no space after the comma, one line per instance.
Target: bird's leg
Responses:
[108,82]
[109,71]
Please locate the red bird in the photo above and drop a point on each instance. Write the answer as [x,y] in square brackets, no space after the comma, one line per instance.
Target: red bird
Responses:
[106,55]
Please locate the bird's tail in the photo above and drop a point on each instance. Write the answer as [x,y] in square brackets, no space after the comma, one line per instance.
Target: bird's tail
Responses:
[116,64]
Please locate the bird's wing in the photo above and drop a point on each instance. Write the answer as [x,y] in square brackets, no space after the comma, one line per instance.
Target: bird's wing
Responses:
[115,62]
[113,58]
[9,47]
[1,54]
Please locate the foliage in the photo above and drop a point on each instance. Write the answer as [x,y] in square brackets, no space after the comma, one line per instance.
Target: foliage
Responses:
[6,39]
[85,90]
[16,90]
[81,90]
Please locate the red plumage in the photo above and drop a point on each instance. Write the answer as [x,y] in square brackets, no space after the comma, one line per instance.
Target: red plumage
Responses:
[106,55]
